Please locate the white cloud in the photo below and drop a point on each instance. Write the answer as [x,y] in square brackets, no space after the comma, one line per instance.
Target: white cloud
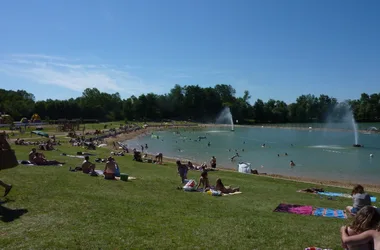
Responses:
[70,74]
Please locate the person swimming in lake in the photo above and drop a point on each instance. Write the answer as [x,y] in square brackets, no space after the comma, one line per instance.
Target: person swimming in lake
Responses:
[225,190]
[233,157]
[203,181]
[292,164]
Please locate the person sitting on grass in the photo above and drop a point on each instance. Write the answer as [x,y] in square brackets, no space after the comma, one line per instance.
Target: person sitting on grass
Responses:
[40,160]
[225,190]
[110,169]
[32,154]
[204,182]
[360,234]
[159,158]
[360,198]
[87,166]
[182,171]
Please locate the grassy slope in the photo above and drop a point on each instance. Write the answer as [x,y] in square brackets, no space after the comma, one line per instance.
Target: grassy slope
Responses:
[73,210]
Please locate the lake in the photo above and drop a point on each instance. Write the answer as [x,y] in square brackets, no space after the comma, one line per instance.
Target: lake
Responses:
[319,154]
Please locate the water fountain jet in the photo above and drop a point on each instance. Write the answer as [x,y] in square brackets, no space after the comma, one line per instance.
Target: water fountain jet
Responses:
[225,117]
[342,113]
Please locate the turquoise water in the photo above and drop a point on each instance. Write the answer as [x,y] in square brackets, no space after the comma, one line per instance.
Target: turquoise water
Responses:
[322,154]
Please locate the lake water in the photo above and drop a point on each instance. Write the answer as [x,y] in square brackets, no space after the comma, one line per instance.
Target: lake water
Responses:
[318,154]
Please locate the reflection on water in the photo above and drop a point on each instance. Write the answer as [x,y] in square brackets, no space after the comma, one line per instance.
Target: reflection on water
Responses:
[318,154]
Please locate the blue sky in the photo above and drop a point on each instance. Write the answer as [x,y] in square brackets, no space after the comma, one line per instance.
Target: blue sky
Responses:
[275,49]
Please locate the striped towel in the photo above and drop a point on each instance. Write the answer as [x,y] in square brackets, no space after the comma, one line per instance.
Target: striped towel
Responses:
[329,212]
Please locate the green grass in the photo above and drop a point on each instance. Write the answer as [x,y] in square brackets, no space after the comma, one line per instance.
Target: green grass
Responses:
[69,210]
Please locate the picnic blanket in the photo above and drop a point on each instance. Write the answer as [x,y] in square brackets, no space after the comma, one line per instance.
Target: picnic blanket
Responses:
[329,212]
[332,194]
[308,210]
[294,209]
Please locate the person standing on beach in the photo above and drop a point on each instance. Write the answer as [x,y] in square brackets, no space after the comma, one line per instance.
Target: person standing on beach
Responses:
[182,171]
[213,162]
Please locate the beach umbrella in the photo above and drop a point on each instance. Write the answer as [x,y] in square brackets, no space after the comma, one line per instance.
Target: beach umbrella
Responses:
[40,133]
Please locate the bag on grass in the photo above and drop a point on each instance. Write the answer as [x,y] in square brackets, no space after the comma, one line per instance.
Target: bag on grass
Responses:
[190,186]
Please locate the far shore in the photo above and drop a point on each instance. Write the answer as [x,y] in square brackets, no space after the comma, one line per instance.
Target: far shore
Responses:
[314,182]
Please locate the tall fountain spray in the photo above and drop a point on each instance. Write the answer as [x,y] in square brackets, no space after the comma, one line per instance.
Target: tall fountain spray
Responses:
[342,117]
[355,127]
[225,117]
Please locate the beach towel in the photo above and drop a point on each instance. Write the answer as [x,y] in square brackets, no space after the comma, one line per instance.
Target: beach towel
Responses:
[231,194]
[332,194]
[329,212]
[294,209]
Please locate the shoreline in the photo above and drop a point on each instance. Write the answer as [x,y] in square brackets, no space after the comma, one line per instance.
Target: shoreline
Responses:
[316,182]
[294,128]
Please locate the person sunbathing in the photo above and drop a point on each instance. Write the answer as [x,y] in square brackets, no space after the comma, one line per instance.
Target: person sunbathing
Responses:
[225,190]
[204,182]
[87,166]
[110,169]
[357,235]
[40,160]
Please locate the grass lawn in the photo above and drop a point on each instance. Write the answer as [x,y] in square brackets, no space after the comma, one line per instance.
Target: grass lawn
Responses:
[69,210]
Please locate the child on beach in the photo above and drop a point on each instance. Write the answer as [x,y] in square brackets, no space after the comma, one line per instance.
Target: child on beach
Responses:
[360,234]
[360,198]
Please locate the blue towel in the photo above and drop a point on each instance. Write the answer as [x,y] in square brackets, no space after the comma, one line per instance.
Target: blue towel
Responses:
[373,199]
[329,212]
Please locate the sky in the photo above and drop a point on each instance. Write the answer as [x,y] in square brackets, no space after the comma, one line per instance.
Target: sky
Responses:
[272,48]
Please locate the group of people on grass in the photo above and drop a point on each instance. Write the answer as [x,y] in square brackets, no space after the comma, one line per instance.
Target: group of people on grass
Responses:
[38,158]
[363,233]
[204,183]
[111,169]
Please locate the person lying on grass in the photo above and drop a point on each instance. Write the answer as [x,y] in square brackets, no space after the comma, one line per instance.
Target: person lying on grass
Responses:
[40,160]
[87,166]
[204,182]
[360,198]
[360,235]
[225,190]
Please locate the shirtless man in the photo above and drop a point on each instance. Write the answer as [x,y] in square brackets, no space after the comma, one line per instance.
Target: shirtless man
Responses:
[32,154]
[110,169]
[87,166]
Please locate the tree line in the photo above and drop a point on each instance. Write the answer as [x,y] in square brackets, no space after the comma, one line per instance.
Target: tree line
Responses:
[191,102]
